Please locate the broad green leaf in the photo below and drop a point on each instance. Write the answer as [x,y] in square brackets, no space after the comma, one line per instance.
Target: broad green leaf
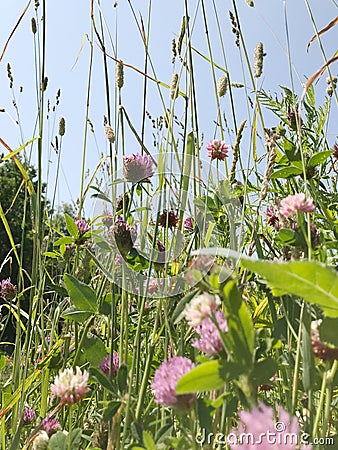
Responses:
[110,410]
[81,294]
[319,158]
[2,362]
[61,441]
[328,331]
[208,376]
[64,241]
[71,226]
[263,370]
[72,313]
[311,280]
[287,172]
[240,325]
[93,349]
[148,441]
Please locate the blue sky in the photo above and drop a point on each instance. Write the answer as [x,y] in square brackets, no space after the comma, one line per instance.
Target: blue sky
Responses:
[69,21]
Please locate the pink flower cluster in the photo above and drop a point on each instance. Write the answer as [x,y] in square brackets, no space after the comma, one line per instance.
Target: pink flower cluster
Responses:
[70,386]
[105,364]
[217,150]
[290,205]
[8,290]
[210,341]
[165,381]
[137,168]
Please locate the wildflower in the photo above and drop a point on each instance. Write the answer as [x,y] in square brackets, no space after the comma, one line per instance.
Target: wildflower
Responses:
[105,364]
[174,86]
[108,219]
[255,427]
[137,168]
[110,135]
[28,415]
[200,307]
[293,203]
[295,120]
[321,350]
[122,202]
[41,441]
[168,219]
[271,217]
[217,150]
[50,425]
[335,151]
[151,286]
[82,226]
[222,85]
[62,126]
[119,75]
[7,290]
[124,235]
[188,225]
[210,341]
[258,60]
[165,381]
[69,386]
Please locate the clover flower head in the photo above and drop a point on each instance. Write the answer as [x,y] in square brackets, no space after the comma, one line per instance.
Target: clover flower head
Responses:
[168,219]
[71,386]
[165,381]
[210,341]
[293,203]
[124,235]
[28,415]
[50,425]
[137,168]
[8,290]
[82,226]
[188,224]
[200,307]
[105,364]
[217,150]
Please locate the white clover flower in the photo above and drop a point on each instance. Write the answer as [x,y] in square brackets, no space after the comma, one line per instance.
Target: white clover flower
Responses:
[69,386]
[200,307]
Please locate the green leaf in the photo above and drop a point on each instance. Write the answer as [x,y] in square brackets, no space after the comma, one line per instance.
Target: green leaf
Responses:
[148,441]
[61,441]
[263,370]
[2,362]
[311,280]
[93,349]
[287,172]
[71,226]
[72,313]
[240,326]
[319,158]
[328,331]
[286,236]
[103,380]
[110,411]
[81,294]
[208,376]
[64,241]
[122,375]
